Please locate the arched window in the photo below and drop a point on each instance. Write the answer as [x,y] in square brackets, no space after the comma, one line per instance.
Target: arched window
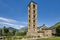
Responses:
[34,6]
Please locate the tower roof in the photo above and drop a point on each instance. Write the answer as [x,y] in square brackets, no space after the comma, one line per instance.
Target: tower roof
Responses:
[31,2]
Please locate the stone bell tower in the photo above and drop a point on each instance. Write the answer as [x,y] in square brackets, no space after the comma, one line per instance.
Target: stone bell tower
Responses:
[32,19]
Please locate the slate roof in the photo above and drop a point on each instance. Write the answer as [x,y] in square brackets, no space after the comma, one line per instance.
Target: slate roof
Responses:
[44,27]
[40,31]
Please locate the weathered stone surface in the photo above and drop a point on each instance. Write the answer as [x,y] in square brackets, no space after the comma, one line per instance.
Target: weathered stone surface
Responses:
[33,30]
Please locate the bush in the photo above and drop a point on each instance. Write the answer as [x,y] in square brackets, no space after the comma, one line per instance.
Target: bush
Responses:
[21,34]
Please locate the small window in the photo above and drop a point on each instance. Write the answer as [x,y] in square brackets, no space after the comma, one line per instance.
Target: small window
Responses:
[33,26]
[33,6]
[29,20]
[29,11]
[38,36]
[38,31]
[47,35]
[33,11]
[34,16]
[33,20]
[29,16]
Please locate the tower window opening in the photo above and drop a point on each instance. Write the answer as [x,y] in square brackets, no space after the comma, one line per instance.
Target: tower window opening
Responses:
[29,11]
[29,16]
[33,11]
[33,6]
[34,16]
[34,26]
[29,20]
[34,21]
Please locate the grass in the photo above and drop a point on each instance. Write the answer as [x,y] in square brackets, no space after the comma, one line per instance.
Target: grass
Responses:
[52,38]
[13,38]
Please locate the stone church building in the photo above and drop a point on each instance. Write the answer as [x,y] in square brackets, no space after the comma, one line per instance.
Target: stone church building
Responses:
[33,30]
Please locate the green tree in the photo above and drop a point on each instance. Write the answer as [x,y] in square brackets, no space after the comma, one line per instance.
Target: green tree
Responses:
[13,32]
[6,31]
[0,32]
[58,30]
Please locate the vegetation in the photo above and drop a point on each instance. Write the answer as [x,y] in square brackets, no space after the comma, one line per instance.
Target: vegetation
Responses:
[0,32]
[21,34]
[23,31]
[52,38]
[12,32]
[18,38]
[55,25]
[6,32]
[57,28]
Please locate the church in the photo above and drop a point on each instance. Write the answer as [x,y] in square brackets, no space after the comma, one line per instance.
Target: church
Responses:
[33,29]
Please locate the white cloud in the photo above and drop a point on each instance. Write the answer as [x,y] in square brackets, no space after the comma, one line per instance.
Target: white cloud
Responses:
[12,23]
[7,20]
[21,26]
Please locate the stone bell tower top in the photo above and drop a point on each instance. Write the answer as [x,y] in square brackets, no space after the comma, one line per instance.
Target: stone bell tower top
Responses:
[32,2]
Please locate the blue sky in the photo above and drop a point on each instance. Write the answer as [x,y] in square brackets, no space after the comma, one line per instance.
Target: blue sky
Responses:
[14,13]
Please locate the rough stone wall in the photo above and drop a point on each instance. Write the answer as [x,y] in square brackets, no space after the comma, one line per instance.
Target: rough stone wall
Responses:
[47,33]
[32,19]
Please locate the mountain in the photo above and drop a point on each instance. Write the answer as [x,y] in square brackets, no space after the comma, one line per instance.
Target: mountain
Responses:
[11,29]
[56,25]
[24,29]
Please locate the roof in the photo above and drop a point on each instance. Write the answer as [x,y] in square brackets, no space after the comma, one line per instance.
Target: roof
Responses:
[44,27]
[47,29]
[40,31]
[33,2]
[41,27]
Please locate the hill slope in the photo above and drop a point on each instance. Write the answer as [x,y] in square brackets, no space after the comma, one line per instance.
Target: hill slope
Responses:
[11,29]
[56,25]
[24,29]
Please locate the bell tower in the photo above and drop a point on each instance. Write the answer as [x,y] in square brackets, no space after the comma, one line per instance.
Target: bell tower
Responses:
[32,19]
